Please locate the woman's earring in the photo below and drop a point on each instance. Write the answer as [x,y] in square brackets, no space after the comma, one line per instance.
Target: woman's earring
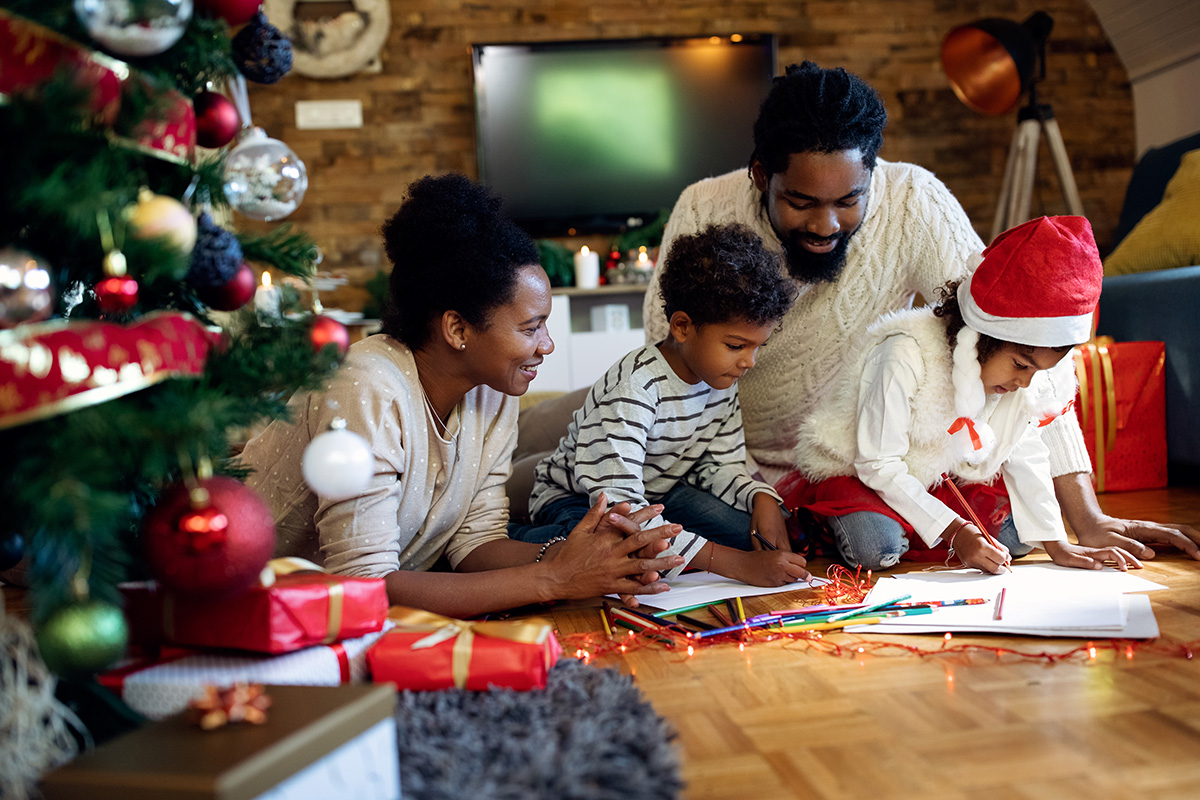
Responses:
[462,347]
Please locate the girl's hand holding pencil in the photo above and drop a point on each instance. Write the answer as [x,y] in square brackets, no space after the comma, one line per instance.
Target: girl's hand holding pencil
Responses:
[976,549]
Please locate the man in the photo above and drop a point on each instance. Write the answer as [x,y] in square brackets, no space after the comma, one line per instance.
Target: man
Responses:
[860,236]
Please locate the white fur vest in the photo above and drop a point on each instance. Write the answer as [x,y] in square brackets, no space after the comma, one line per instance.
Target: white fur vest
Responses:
[827,440]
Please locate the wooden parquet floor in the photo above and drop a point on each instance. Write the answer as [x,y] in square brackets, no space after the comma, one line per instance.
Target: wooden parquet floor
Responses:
[776,721]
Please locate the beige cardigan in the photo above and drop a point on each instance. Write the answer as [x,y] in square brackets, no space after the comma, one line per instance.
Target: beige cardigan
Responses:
[428,497]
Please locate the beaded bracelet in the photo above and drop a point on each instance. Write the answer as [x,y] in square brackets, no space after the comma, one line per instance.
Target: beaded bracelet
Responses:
[542,553]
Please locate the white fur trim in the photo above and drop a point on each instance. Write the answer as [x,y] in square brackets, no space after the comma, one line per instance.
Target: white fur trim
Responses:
[1031,331]
[967,377]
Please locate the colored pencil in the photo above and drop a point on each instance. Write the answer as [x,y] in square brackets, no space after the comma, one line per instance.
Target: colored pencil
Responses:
[872,607]
[828,626]
[604,619]
[733,613]
[762,540]
[685,609]
[652,622]
[721,618]
[741,610]
[853,619]
[695,623]
[1000,603]
[975,519]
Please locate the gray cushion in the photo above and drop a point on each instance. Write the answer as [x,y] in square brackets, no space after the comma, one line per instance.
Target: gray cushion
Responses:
[539,430]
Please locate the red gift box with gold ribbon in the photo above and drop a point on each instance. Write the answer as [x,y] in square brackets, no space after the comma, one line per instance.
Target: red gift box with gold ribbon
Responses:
[1122,409]
[297,610]
[426,651]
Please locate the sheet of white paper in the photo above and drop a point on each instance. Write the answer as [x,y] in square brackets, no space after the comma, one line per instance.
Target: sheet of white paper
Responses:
[1140,624]
[964,583]
[694,588]
[1043,600]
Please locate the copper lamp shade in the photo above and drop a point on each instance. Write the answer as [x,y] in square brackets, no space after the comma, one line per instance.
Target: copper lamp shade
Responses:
[991,62]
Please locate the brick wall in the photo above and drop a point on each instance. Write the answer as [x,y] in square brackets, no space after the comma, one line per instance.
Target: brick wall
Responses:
[419,111]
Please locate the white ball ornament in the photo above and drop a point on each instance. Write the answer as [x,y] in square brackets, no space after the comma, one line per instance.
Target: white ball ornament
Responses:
[338,464]
[135,27]
[263,178]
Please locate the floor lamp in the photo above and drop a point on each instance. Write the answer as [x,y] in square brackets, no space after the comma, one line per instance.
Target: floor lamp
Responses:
[991,63]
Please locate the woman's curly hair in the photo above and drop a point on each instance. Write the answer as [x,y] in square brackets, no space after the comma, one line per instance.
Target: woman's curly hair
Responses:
[724,273]
[451,248]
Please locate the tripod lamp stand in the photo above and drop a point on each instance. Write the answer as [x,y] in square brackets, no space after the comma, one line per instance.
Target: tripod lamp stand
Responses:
[991,63]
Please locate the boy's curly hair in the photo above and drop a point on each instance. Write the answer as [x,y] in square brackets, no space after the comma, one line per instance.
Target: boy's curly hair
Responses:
[451,248]
[724,273]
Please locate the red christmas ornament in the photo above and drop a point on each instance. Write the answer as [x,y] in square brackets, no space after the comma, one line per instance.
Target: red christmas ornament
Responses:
[117,295]
[232,295]
[209,547]
[217,119]
[326,331]
[235,12]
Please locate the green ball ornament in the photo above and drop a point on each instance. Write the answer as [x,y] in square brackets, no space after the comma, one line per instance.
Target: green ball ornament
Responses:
[83,638]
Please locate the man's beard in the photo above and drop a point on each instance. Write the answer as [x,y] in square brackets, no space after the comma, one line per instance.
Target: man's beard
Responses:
[809,267]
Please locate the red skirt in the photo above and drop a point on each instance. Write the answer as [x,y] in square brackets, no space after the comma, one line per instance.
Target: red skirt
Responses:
[835,497]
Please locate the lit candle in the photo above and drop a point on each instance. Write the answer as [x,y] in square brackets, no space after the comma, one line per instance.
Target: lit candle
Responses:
[587,269]
[266,300]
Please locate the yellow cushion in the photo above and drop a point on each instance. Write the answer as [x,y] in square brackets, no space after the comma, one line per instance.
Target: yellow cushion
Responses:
[1169,235]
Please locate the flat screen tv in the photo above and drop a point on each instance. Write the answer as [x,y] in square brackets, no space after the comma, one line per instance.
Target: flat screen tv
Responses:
[582,136]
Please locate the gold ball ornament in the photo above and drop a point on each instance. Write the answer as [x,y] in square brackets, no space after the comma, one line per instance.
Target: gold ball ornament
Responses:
[159,215]
[82,638]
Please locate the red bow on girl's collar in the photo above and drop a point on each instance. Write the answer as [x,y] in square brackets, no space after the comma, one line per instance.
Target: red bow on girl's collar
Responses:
[976,442]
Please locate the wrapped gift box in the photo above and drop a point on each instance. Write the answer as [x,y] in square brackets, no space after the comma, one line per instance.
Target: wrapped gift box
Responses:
[317,742]
[426,651]
[1122,410]
[161,686]
[298,610]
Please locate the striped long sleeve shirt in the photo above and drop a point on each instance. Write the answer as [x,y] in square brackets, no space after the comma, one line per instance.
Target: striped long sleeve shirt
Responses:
[641,430]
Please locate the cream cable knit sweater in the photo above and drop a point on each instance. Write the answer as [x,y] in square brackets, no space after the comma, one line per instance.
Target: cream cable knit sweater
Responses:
[914,238]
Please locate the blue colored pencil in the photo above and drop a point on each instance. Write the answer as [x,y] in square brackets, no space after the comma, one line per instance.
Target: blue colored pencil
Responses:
[872,607]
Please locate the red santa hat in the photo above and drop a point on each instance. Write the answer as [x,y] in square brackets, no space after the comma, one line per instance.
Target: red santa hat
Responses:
[1037,284]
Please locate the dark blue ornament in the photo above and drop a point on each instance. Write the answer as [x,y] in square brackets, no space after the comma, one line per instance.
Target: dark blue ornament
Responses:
[216,257]
[261,51]
[12,550]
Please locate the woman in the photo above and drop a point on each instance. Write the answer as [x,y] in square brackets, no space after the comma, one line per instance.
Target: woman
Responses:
[434,395]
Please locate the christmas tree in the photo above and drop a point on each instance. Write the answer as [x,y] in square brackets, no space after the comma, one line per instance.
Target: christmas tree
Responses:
[132,357]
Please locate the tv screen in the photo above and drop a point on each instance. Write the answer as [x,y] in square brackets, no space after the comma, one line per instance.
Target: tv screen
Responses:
[585,135]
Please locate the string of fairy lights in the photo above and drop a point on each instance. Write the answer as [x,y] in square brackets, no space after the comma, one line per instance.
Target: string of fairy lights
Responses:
[626,633]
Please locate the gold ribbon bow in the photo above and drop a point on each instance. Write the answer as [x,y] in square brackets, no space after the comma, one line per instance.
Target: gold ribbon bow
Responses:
[274,568]
[1103,403]
[534,630]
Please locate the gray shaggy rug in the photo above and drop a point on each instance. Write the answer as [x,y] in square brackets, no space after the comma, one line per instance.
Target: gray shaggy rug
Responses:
[590,735]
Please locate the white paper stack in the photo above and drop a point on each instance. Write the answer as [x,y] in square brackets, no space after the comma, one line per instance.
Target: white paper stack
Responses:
[1038,600]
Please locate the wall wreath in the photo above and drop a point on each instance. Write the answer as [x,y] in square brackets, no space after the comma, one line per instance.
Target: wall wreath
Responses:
[332,47]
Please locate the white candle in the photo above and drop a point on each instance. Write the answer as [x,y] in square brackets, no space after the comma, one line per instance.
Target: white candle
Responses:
[266,299]
[587,269]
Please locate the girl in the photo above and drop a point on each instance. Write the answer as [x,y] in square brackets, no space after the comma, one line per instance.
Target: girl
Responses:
[435,397]
[959,391]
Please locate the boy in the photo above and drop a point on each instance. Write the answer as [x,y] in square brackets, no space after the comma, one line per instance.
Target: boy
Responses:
[663,425]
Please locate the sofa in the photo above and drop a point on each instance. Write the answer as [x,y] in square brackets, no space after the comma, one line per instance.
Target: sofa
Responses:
[1152,283]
